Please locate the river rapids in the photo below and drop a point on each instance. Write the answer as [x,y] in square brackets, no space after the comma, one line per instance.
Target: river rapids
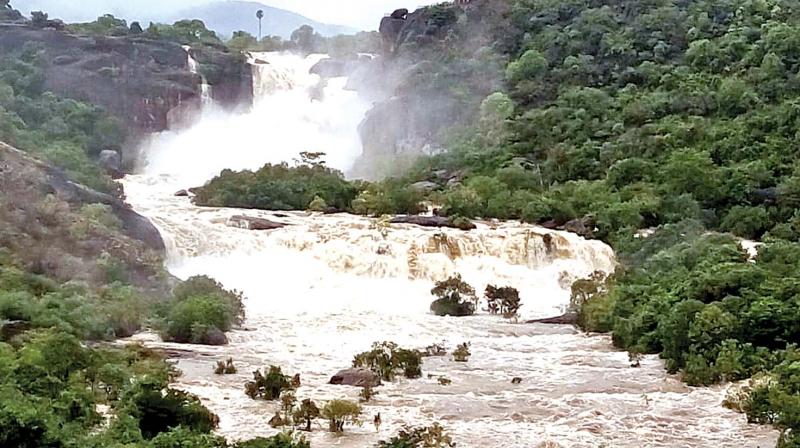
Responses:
[326,287]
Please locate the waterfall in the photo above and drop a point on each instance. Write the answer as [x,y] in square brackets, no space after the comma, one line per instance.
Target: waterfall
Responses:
[206,98]
[292,112]
[325,287]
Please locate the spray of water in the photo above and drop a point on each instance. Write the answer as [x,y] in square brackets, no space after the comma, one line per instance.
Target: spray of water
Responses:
[293,112]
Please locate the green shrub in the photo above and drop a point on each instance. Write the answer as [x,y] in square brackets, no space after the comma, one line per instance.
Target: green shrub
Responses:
[455,298]
[201,309]
[269,386]
[340,413]
[386,358]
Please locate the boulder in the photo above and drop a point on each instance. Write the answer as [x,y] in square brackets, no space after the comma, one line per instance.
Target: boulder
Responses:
[252,223]
[356,377]
[424,186]
[182,193]
[330,68]
[583,227]
[401,14]
[215,336]
[110,161]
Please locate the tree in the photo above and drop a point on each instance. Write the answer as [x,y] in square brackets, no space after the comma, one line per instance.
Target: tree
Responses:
[307,412]
[386,358]
[136,28]
[341,412]
[269,386]
[259,16]
[462,353]
[433,436]
[504,301]
[455,298]
[305,39]
[39,19]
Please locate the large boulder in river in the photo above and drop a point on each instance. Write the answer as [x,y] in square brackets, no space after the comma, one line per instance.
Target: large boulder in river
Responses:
[356,377]
[215,336]
[253,223]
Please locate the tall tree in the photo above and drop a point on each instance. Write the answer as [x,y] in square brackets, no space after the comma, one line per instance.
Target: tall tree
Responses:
[259,15]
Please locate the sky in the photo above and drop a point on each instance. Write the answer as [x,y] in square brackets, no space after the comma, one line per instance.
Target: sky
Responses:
[360,14]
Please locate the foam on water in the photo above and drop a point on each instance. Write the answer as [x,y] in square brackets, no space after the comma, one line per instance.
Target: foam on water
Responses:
[326,287]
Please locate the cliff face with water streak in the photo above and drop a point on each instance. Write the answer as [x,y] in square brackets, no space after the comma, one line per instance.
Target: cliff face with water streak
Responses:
[139,80]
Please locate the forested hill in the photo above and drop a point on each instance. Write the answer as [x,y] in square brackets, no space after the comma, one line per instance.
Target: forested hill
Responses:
[675,116]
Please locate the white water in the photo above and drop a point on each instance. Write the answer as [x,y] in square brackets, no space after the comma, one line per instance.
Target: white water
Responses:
[206,98]
[326,287]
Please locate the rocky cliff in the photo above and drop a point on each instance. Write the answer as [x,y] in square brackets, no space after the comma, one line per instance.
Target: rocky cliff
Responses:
[67,231]
[439,63]
[138,79]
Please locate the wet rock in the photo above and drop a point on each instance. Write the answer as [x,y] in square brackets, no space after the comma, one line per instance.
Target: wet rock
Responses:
[252,223]
[182,193]
[356,377]
[583,227]
[215,336]
[516,380]
[400,14]
[433,221]
[564,319]
[150,77]
[330,68]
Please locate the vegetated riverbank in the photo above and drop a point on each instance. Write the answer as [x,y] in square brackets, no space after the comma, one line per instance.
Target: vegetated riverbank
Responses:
[325,287]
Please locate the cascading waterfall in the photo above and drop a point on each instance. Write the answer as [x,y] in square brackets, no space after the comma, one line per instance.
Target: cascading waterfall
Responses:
[326,287]
[206,98]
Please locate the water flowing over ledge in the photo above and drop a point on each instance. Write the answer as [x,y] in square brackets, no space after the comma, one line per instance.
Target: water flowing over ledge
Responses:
[324,288]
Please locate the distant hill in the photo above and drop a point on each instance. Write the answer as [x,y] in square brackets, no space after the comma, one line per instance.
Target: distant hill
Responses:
[225,17]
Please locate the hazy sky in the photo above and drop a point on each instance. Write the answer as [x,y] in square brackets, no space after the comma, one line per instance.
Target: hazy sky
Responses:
[362,14]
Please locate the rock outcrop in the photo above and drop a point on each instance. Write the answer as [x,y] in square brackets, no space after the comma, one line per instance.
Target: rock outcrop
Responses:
[253,223]
[435,71]
[44,227]
[136,78]
[357,378]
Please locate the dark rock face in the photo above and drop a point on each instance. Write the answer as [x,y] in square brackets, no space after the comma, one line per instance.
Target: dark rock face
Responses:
[252,223]
[137,79]
[357,378]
